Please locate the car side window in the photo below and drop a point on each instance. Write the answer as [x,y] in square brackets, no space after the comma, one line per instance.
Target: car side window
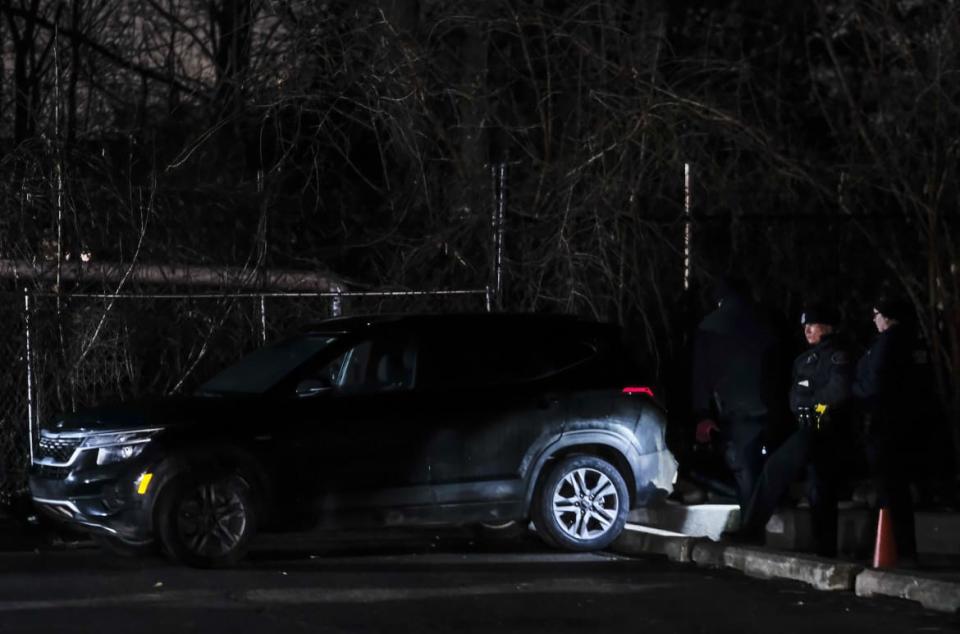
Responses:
[350,369]
[489,359]
[384,364]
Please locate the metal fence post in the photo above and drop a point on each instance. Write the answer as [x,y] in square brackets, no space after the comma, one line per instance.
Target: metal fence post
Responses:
[336,304]
[263,319]
[29,363]
[687,224]
[499,173]
[501,209]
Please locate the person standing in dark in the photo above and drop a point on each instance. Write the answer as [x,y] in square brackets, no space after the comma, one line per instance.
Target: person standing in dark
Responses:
[883,386]
[734,388]
[819,395]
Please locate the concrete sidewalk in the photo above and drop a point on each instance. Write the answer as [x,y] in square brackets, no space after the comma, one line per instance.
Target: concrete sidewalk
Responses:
[688,534]
[938,533]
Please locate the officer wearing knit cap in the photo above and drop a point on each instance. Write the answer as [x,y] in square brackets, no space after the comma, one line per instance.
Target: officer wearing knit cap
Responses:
[818,396]
[885,387]
[893,308]
[889,357]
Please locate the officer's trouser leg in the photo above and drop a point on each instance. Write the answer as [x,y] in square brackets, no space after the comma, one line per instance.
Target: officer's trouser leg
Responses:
[822,491]
[783,467]
[743,441]
[893,478]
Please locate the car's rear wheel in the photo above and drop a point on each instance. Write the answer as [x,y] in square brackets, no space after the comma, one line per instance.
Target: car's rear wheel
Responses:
[207,521]
[582,504]
[539,519]
[509,530]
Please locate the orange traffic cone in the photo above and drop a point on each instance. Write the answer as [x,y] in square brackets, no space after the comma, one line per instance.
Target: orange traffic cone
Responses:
[885,551]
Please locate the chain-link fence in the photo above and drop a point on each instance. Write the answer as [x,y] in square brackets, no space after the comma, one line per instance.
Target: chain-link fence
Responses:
[14,451]
[94,348]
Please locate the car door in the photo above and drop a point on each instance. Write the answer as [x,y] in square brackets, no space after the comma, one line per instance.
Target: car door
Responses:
[359,414]
[486,414]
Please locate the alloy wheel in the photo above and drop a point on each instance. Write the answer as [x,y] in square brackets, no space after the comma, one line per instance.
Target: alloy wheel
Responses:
[585,504]
[211,519]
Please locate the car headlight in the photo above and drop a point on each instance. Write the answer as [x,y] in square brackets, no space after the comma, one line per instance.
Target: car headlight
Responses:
[118,446]
[108,455]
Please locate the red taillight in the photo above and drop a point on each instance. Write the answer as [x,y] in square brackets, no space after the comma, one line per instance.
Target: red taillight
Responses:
[638,390]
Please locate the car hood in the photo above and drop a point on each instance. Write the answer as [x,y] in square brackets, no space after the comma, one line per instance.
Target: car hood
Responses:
[143,413]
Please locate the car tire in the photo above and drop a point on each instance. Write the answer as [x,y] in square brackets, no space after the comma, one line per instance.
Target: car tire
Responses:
[120,548]
[206,521]
[509,530]
[538,519]
[582,504]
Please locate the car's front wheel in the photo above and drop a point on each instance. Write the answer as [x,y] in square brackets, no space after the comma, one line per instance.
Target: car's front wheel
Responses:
[206,521]
[582,504]
[121,548]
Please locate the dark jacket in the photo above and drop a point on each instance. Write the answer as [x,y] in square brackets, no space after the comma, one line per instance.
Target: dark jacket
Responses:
[886,381]
[822,375]
[735,361]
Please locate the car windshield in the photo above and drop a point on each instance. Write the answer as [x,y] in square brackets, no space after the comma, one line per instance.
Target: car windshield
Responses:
[259,371]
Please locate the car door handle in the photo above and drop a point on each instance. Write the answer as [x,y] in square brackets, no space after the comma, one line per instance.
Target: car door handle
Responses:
[547,401]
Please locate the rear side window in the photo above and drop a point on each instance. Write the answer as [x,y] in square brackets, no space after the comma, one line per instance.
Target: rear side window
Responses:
[476,359]
[546,356]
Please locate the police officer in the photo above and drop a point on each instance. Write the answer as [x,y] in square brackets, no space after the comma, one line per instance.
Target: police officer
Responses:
[886,386]
[819,394]
[822,375]
[733,393]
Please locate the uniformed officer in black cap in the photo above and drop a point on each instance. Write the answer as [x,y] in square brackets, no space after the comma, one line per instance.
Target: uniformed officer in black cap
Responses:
[819,394]
[822,375]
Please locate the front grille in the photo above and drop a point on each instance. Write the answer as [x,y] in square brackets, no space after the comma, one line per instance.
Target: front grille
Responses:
[58,449]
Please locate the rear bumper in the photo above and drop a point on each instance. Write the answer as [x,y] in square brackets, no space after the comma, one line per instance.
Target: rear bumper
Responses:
[655,474]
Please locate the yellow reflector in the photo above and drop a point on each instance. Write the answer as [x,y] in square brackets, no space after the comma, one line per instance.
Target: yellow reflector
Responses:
[143,483]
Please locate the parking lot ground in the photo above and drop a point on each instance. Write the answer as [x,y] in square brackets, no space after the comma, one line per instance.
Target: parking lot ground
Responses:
[423,582]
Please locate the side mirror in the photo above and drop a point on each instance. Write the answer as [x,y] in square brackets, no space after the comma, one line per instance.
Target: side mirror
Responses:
[310,387]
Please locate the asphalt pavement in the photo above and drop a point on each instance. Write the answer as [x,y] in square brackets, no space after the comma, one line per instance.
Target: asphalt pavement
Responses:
[422,582]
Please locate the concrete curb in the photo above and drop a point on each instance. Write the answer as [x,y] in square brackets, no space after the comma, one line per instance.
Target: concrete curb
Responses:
[675,548]
[823,574]
[934,594]
[695,520]
[707,553]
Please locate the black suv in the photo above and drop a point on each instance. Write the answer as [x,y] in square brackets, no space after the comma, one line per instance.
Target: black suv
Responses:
[408,420]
